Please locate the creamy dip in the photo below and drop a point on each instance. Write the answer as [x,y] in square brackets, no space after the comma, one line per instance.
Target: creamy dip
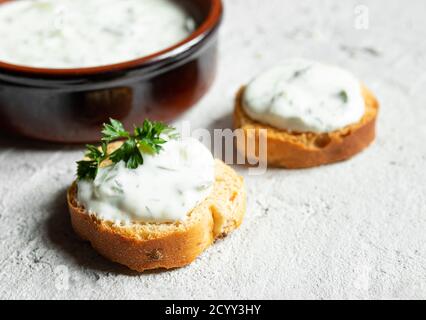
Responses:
[164,189]
[88,33]
[305,96]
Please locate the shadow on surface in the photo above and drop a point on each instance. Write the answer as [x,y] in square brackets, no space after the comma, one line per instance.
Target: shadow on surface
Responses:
[61,234]
[8,141]
[222,123]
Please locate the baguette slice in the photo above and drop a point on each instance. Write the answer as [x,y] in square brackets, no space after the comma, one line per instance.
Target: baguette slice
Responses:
[294,150]
[144,246]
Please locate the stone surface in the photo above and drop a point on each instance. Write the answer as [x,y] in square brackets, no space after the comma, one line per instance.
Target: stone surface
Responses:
[350,230]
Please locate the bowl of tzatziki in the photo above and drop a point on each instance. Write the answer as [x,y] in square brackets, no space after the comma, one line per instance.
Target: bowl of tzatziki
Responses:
[67,66]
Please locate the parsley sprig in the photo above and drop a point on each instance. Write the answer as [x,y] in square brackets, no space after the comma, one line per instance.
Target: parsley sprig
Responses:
[343,95]
[146,139]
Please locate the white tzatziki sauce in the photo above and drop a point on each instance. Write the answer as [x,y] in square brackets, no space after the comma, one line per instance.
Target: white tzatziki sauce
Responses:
[165,188]
[87,33]
[305,96]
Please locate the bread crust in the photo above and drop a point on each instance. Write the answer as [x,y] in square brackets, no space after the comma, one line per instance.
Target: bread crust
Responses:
[141,247]
[294,150]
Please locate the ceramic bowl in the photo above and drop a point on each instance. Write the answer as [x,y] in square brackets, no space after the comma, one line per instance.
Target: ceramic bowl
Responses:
[70,105]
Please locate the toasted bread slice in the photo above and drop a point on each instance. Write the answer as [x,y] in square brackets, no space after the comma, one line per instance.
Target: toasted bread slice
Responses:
[144,246]
[294,150]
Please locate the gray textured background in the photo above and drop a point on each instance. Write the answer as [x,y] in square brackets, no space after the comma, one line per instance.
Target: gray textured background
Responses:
[350,230]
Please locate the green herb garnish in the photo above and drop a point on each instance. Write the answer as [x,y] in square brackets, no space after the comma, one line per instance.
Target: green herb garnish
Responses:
[300,72]
[146,139]
[88,169]
[343,95]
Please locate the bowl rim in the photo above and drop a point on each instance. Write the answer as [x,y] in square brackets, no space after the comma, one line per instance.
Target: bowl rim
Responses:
[210,22]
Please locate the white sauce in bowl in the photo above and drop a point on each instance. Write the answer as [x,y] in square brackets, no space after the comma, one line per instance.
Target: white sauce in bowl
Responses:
[63,34]
[305,96]
[164,189]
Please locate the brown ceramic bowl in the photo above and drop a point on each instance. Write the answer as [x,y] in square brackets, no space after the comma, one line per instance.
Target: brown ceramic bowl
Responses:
[70,105]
